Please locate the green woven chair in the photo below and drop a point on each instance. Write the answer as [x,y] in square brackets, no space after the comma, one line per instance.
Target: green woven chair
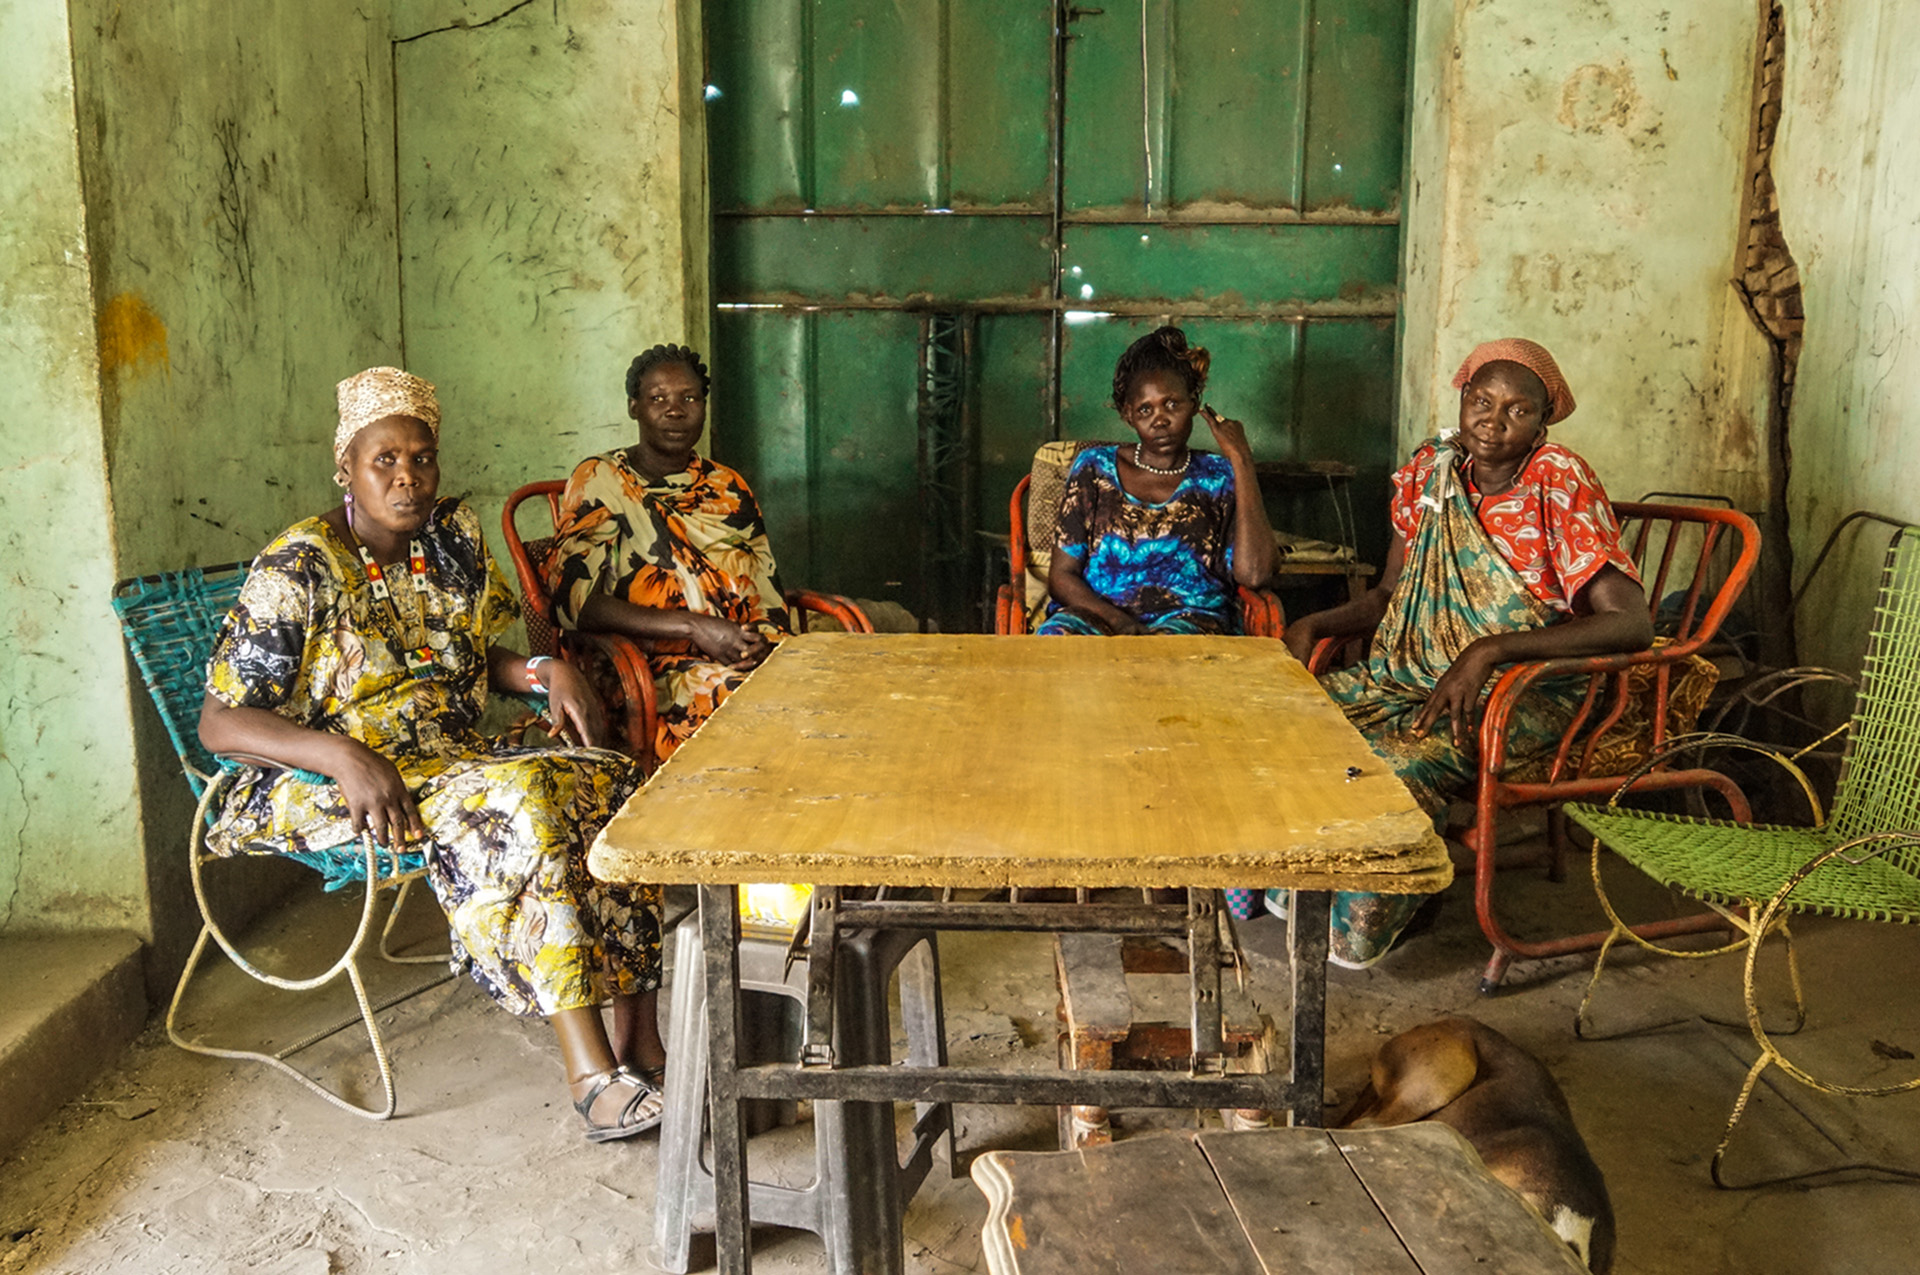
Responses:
[169,622]
[1862,861]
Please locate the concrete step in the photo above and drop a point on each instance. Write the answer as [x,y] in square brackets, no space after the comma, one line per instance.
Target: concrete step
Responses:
[69,1003]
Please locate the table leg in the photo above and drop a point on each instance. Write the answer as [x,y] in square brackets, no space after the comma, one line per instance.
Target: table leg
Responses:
[720,945]
[1307,951]
[867,1236]
[1203,974]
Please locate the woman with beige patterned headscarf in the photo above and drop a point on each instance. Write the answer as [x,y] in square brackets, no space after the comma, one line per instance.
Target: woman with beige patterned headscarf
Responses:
[351,676]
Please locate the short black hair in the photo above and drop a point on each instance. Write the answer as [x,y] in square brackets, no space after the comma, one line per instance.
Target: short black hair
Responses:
[660,356]
[1162,350]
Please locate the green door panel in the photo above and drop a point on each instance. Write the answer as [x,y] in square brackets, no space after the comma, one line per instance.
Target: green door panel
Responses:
[1232,268]
[882,260]
[939,222]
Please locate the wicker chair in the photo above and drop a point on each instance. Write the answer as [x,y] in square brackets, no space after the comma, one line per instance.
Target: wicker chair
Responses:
[636,708]
[1861,861]
[169,622]
[1033,513]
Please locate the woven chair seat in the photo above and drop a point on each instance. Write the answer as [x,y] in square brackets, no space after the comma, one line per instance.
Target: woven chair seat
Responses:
[1740,863]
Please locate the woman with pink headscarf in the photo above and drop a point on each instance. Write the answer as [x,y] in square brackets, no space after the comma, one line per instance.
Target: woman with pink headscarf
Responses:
[1505,549]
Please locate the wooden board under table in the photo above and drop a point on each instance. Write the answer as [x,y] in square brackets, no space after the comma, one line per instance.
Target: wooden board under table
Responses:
[976,761]
[1413,1200]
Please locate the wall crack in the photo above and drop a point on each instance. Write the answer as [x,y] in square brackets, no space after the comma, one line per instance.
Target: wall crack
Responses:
[464,25]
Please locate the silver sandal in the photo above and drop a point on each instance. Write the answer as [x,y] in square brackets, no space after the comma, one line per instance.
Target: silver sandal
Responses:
[626,1125]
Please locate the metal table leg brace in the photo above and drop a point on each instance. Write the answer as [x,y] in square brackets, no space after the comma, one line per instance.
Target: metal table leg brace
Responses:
[873,1241]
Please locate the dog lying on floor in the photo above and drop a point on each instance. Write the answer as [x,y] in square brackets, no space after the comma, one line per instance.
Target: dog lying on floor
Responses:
[1499,1097]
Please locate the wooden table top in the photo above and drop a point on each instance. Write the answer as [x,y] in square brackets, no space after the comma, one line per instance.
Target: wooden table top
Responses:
[1411,1200]
[977,761]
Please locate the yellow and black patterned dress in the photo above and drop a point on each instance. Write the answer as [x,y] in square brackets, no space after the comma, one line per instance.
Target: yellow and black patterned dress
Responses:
[693,541]
[509,827]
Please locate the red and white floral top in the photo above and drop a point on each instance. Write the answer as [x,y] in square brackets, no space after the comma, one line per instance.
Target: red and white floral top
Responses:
[1554,525]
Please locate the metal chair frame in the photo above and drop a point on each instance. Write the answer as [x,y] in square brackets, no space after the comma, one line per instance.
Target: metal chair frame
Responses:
[1862,857]
[1570,774]
[193,602]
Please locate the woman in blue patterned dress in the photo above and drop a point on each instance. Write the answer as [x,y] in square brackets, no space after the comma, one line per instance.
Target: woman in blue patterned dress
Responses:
[1152,538]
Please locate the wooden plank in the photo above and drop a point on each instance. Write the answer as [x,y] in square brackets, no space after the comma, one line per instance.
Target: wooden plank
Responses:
[1300,1205]
[1152,1204]
[1093,986]
[969,761]
[1452,1215]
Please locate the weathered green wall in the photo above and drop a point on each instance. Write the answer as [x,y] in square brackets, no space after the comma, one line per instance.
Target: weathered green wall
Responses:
[1576,177]
[69,824]
[543,176]
[1848,168]
[211,235]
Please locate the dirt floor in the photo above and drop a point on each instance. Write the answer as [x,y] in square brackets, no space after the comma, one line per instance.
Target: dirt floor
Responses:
[175,1162]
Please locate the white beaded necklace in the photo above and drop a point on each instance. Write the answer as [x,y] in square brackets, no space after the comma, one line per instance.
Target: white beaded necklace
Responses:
[1177,470]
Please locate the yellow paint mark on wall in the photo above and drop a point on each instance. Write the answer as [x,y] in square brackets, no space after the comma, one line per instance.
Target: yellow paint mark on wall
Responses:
[132,336]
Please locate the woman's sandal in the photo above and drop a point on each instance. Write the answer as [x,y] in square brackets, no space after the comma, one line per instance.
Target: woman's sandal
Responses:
[655,1075]
[630,1121]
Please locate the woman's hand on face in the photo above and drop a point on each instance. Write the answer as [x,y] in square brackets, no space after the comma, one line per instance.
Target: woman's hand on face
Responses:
[1456,696]
[572,705]
[1230,435]
[377,798]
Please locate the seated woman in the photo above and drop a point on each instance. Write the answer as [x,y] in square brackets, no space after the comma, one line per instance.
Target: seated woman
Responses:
[360,654]
[668,548]
[1505,549]
[1152,538]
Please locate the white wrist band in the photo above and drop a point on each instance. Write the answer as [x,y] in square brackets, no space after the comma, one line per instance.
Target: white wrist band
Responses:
[534,683]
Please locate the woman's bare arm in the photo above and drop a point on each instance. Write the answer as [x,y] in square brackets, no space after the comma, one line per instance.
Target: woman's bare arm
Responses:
[1610,618]
[1354,618]
[377,798]
[1253,545]
[1068,584]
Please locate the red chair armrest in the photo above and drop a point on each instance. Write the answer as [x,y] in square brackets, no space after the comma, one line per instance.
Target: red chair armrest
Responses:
[638,717]
[845,610]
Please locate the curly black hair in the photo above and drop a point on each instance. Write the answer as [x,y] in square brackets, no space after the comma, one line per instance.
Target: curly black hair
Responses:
[1162,350]
[660,356]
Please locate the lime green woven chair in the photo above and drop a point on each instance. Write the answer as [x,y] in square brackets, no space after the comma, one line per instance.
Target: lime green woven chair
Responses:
[169,622]
[1862,861]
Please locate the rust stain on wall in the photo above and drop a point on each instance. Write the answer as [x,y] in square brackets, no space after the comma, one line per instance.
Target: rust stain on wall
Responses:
[1595,98]
[132,337]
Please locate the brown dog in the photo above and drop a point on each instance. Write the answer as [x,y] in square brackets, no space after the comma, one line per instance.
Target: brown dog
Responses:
[1498,1097]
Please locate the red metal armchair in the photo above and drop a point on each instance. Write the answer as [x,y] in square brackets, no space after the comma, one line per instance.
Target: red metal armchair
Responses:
[1704,557]
[636,711]
[1260,611]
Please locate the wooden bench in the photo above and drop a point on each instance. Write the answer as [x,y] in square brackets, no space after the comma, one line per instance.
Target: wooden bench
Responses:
[1413,1200]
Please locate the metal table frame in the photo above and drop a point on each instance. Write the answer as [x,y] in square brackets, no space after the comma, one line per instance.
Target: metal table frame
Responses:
[870,1086]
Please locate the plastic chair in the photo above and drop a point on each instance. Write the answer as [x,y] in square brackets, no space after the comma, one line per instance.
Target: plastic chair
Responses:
[169,622]
[865,960]
[1033,512]
[1861,861]
[1634,704]
[636,709]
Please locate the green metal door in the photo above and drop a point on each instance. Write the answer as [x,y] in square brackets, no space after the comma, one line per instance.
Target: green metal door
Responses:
[938,223]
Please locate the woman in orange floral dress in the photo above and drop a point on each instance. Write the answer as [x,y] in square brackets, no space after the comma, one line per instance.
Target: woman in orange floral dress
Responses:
[669,549]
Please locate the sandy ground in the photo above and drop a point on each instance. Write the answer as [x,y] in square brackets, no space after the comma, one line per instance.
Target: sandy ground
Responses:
[175,1162]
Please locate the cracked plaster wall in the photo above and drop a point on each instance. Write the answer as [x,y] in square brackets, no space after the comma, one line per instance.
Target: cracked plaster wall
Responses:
[1575,177]
[66,748]
[547,188]
[175,334]
[1848,171]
